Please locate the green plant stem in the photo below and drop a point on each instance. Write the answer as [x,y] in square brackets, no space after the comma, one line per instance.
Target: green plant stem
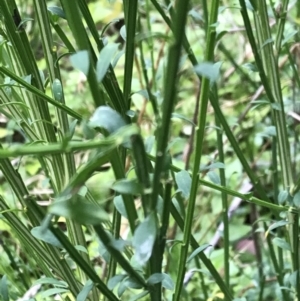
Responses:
[76,25]
[279,272]
[169,96]
[216,276]
[130,7]
[281,25]
[293,219]
[247,197]
[272,73]
[110,81]
[118,255]
[199,135]
[271,83]
[255,181]
[225,233]
[39,93]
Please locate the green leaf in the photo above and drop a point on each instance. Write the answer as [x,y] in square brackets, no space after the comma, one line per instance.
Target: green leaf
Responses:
[182,117]
[57,11]
[214,165]
[168,282]
[123,32]
[131,282]
[184,182]
[296,199]
[79,210]
[119,204]
[115,280]
[155,278]
[268,41]
[165,279]
[209,70]
[81,61]
[81,249]
[277,225]
[143,93]
[288,36]
[269,131]
[83,294]
[139,296]
[121,289]
[126,186]
[197,251]
[104,60]
[282,196]
[250,67]
[4,289]
[238,231]
[144,238]
[46,236]
[214,177]
[52,291]
[293,279]
[107,118]
[57,90]
[52,281]
[281,243]
[195,15]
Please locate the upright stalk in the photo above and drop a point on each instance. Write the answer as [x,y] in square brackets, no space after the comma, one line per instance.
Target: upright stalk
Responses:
[199,134]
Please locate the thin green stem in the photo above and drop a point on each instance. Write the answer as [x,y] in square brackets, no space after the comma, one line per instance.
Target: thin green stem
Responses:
[131,7]
[224,203]
[199,134]
[169,96]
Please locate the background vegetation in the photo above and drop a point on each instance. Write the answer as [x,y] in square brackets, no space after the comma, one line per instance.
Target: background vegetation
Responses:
[149,150]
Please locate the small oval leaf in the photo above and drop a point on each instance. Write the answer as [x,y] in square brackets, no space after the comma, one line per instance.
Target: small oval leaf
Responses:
[144,238]
[281,243]
[46,236]
[184,182]
[126,186]
[81,61]
[107,118]
[197,251]
[79,210]
[104,60]
[83,294]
